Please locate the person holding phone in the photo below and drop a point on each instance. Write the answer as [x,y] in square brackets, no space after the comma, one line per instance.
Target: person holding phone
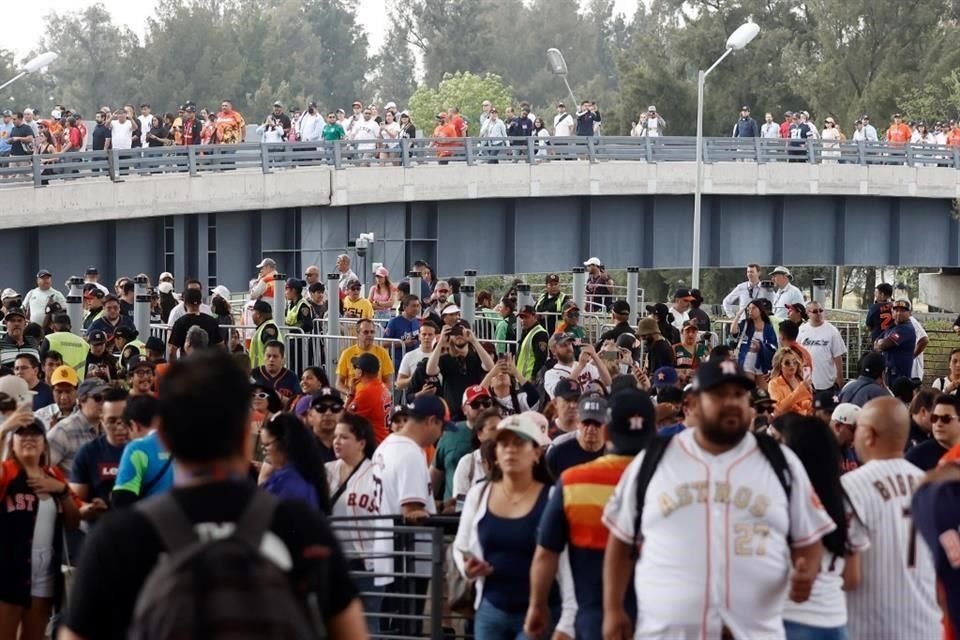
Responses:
[791,385]
[511,392]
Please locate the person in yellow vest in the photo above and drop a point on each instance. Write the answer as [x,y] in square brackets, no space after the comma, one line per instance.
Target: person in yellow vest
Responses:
[72,347]
[298,312]
[266,331]
[125,342]
[533,343]
[92,304]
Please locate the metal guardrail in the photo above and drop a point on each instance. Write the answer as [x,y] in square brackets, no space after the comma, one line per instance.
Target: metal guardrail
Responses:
[118,165]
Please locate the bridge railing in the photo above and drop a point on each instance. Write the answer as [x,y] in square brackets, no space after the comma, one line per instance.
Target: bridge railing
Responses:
[119,165]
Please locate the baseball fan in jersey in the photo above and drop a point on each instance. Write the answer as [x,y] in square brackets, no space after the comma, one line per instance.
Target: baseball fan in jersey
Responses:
[371,398]
[743,505]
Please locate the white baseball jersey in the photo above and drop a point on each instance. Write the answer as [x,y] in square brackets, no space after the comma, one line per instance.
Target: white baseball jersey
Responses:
[897,597]
[401,476]
[714,546]
[358,500]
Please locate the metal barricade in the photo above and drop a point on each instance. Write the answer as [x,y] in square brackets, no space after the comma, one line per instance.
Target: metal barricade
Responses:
[414,603]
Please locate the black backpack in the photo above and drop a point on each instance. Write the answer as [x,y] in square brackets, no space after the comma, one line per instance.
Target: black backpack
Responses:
[220,588]
[657,447]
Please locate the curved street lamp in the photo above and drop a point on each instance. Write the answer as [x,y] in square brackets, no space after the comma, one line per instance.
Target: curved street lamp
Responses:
[558,67]
[33,65]
[737,41]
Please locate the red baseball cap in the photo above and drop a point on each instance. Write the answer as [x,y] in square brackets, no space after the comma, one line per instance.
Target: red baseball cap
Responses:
[474,392]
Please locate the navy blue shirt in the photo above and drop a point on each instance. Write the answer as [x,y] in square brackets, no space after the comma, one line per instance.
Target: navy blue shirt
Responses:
[935,511]
[399,328]
[568,453]
[900,356]
[508,545]
[926,455]
[44,396]
[96,466]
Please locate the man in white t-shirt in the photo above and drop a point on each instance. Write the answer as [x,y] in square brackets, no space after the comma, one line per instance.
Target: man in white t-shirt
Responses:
[681,307]
[402,478]
[146,122]
[563,123]
[787,292]
[121,132]
[586,369]
[922,341]
[408,365]
[826,347]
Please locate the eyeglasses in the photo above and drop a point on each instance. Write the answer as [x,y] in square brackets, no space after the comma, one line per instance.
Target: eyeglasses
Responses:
[483,403]
[261,395]
[326,407]
[945,419]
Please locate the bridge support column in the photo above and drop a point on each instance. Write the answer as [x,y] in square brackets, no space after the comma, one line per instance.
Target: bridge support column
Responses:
[579,287]
[279,301]
[333,324]
[141,309]
[633,286]
[413,278]
[75,304]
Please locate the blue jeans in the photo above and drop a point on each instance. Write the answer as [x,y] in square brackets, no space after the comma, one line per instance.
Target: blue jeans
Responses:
[371,597]
[797,631]
[491,623]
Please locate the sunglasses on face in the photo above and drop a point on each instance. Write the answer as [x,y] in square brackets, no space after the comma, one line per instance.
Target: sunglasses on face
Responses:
[764,409]
[945,419]
[485,403]
[331,408]
[261,395]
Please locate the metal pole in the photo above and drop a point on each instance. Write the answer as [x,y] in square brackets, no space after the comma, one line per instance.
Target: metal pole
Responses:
[416,285]
[838,287]
[819,292]
[524,297]
[333,322]
[469,277]
[633,285]
[579,287]
[141,308]
[13,79]
[75,304]
[468,303]
[698,185]
[279,300]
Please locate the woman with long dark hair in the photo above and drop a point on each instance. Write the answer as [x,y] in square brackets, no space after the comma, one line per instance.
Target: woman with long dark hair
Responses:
[496,538]
[354,494]
[824,615]
[31,534]
[294,456]
[382,295]
[757,340]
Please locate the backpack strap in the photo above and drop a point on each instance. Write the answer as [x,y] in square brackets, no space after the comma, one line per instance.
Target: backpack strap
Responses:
[169,521]
[652,455]
[255,520]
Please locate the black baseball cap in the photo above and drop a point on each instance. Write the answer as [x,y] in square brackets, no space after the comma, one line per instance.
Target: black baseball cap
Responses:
[551,278]
[97,337]
[262,306]
[713,373]
[430,407]
[568,389]
[683,294]
[154,344]
[326,395]
[621,307]
[367,363]
[92,271]
[15,311]
[632,421]
[527,310]
[872,364]
[34,426]
[295,283]
[139,362]
[125,332]
[43,273]
[760,397]
[659,309]
[192,296]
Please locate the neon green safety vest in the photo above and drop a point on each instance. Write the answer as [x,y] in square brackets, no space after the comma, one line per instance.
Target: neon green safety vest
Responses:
[527,358]
[73,348]
[293,315]
[135,344]
[257,345]
[558,303]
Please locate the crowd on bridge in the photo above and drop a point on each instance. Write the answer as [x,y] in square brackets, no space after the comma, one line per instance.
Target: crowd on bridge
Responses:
[379,130]
[647,479]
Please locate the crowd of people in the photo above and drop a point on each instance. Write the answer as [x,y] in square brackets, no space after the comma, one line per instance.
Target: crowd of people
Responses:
[649,481]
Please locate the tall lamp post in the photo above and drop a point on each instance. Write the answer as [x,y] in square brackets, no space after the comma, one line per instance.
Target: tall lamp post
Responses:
[36,64]
[737,41]
[558,67]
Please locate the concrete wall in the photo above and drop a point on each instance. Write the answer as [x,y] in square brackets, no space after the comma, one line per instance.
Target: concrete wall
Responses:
[251,190]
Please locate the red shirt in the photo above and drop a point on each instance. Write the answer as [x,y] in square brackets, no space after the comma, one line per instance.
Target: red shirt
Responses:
[372,400]
[459,125]
[75,138]
[785,129]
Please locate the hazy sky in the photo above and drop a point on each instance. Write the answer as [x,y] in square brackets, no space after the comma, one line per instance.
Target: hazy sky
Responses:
[134,13]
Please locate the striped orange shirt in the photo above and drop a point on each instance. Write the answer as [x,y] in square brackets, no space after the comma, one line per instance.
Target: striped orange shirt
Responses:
[586,490]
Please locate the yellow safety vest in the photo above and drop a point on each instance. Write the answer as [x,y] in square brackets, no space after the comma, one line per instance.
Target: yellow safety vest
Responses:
[133,344]
[73,348]
[527,358]
[257,345]
[293,314]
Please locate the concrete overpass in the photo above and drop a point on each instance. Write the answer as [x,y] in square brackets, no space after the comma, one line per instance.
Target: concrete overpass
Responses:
[214,211]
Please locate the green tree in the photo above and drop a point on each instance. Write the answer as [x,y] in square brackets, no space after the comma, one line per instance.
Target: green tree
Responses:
[465,91]
[394,70]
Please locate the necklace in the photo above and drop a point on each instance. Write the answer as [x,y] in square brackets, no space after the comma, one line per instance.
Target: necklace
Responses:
[515,499]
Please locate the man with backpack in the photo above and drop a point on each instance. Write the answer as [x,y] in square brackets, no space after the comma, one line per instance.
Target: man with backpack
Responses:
[214,555]
[745,510]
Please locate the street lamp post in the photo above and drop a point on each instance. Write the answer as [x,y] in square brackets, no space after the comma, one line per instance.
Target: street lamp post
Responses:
[36,64]
[737,41]
[558,66]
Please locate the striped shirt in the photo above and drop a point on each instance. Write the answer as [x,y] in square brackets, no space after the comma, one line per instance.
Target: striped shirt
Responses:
[9,350]
[896,598]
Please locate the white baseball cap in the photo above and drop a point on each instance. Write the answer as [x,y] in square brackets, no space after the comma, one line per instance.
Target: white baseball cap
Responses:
[450,308]
[221,291]
[9,293]
[524,426]
[166,275]
[16,388]
[651,108]
[846,413]
[593,262]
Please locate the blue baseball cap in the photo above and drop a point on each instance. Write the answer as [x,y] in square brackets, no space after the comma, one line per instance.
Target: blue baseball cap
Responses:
[430,407]
[665,377]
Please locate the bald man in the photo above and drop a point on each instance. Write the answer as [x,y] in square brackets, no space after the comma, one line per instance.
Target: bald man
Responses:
[896,595]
